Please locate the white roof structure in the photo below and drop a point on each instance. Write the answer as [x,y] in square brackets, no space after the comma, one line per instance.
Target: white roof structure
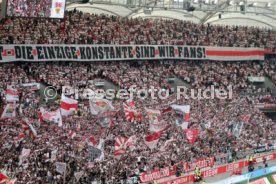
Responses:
[261,13]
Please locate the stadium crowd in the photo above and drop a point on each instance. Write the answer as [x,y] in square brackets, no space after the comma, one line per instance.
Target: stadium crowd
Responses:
[29,8]
[81,28]
[215,119]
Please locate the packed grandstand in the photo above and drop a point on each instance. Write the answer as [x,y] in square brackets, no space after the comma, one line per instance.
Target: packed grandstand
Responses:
[99,140]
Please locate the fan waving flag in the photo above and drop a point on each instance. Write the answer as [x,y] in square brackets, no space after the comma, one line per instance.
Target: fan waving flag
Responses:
[28,128]
[191,134]
[130,112]
[68,105]
[12,94]
[152,139]
[182,115]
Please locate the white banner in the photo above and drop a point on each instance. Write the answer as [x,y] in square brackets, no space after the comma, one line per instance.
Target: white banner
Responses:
[31,86]
[9,53]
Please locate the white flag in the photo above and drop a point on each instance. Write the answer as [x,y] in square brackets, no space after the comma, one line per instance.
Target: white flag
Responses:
[9,111]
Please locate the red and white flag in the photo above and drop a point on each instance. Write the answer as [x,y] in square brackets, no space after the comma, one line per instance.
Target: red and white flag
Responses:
[100,106]
[28,128]
[9,111]
[234,53]
[191,134]
[120,146]
[12,94]
[54,116]
[68,105]
[91,140]
[5,179]
[156,121]
[152,139]
[130,111]
[182,115]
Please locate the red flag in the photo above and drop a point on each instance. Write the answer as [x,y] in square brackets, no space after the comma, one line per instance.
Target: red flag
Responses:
[21,136]
[92,140]
[191,134]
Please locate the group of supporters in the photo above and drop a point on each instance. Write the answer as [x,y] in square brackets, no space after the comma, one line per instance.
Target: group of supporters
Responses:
[81,28]
[40,158]
[29,8]
[213,118]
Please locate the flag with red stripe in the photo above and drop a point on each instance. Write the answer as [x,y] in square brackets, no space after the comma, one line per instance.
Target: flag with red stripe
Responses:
[68,105]
[234,53]
[12,94]
[28,128]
